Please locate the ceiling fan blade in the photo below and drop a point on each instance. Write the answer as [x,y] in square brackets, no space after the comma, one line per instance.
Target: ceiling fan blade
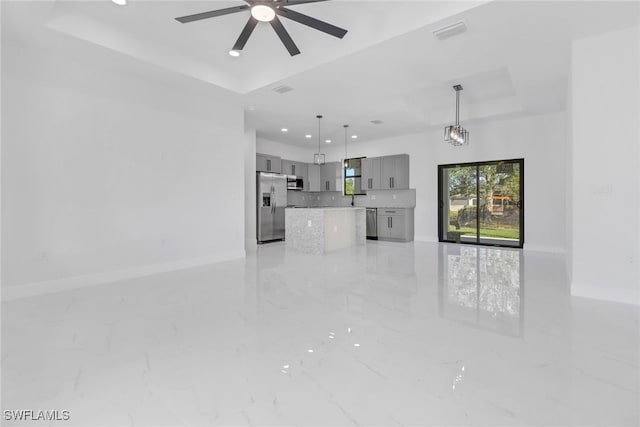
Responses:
[212,14]
[246,32]
[284,36]
[312,22]
[295,2]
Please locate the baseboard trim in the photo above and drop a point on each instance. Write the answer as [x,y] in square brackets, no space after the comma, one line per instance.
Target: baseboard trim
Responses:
[542,248]
[11,293]
[425,239]
[623,296]
[527,247]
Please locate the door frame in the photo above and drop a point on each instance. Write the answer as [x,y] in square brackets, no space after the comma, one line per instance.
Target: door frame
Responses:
[440,206]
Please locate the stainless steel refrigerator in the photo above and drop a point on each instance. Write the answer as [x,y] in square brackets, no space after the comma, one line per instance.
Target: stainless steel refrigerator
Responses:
[272,199]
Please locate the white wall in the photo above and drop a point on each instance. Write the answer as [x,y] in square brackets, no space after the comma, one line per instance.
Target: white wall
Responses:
[605,165]
[109,175]
[285,151]
[250,196]
[539,140]
[568,240]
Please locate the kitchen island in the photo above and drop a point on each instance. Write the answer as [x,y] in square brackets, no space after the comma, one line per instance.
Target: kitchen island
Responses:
[321,230]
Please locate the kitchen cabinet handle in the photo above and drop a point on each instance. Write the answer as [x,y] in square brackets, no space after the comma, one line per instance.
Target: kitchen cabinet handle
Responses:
[268,164]
[391,218]
[389,182]
[393,182]
[293,169]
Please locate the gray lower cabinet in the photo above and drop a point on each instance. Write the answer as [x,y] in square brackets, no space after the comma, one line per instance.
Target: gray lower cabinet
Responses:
[267,163]
[395,224]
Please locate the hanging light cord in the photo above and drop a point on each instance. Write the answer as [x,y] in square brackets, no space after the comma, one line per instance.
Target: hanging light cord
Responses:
[345,144]
[457,108]
[319,117]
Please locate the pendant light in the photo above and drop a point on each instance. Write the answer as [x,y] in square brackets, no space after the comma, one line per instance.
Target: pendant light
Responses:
[455,134]
[346,163]
[318,158]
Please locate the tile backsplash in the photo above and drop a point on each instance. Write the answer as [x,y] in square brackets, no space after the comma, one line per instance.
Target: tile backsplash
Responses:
[373,199]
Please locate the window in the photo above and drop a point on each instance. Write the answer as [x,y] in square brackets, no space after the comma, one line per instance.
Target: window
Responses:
[353,177]
[482,203]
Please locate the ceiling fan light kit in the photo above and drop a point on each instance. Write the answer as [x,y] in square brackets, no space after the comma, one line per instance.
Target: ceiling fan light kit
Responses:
[268,11]
[263,12]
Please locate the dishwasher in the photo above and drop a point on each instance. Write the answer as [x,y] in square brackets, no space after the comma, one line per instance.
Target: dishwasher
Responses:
[372,223]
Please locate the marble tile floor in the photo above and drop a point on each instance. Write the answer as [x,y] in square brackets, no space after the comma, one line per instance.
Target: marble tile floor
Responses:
[386,334]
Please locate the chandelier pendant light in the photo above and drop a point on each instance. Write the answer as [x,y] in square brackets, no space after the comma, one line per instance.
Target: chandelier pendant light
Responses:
[455,134]
[318,158]
[346,162]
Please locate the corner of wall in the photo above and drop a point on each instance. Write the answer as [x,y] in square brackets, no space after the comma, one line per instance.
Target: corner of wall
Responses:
[250,243]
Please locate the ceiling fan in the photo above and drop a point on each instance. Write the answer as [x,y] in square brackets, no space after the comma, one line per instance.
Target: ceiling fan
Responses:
[268,11]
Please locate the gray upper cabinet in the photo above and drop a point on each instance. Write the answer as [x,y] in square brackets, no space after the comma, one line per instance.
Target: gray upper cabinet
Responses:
[313,178]
[371,173]
[386,173]
[289,167]
[267,163]
[394,172]
[299,169]
[330,176]
[302,171]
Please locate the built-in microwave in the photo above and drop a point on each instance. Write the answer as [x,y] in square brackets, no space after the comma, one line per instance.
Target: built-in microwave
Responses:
[294,182]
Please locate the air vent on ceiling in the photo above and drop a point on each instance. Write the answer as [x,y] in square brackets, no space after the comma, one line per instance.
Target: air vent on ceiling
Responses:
[377,122]
[282,89]
[450,30]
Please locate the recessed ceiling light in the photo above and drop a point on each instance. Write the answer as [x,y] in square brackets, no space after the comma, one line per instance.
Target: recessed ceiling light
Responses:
[120,2]
[354,136]
[328,141]
[284,130]
[307,136]
[231,52]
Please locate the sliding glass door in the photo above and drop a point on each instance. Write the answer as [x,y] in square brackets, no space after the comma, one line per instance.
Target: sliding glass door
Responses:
[482,203]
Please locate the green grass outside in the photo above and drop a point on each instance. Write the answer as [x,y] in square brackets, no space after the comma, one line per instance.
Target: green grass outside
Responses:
[504,233]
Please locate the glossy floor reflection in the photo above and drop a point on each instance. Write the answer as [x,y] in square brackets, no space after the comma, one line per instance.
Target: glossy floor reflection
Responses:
[386,334]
